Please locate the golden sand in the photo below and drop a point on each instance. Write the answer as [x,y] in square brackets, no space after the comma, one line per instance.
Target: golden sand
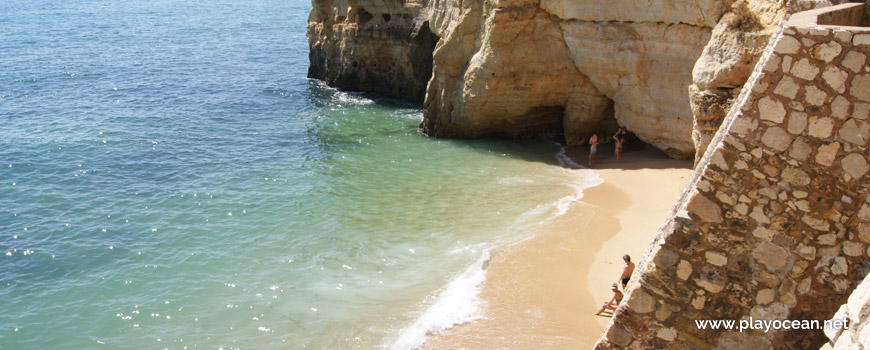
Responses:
[542,293]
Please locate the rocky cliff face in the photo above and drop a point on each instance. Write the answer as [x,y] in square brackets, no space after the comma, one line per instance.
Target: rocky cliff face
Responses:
[562,68]
[557,68]
[381,46]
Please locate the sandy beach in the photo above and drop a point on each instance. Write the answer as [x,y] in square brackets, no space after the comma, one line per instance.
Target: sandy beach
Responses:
[543,292]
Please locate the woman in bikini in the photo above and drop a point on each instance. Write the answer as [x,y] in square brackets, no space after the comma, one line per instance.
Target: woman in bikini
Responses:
[613,303]
[619,138]
[593,147]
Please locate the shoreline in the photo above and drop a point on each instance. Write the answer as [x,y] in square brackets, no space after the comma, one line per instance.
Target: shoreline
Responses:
[544,291]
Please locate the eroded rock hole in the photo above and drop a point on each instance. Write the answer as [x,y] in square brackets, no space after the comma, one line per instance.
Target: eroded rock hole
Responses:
[543,121]
[364,17]
[421,57]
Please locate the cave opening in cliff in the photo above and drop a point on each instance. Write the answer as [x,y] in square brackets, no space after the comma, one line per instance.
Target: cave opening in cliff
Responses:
[541,121]
[571,125]
[363,17]
[607,125]
[592,115]
[422,58]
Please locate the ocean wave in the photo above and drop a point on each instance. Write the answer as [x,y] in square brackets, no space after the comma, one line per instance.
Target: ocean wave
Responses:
[514,180]
[565,160]
[338,98]
[409,113]
[351,98]
[583,179]
[458,303]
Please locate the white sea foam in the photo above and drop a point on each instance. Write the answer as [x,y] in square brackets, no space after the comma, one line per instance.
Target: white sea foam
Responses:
[458,303]
[410,113]
[514,180]
[341,97]
[565,160]
[583,179]
[350,98]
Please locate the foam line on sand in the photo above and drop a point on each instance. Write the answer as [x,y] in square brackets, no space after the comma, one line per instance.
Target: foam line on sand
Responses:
[542,292]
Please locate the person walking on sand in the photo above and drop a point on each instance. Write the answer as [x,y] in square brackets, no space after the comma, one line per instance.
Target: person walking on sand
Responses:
[613,303]
[626,272]
[593,147]
[619,138]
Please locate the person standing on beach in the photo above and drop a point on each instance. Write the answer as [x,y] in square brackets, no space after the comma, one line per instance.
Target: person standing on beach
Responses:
[626,272]
[619,138]
[593,147]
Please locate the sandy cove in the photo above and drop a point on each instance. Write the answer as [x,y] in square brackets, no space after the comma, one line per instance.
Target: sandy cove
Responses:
[542,293]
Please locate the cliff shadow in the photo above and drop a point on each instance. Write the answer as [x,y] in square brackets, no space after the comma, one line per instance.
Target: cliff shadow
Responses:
[551,151]
[635,155]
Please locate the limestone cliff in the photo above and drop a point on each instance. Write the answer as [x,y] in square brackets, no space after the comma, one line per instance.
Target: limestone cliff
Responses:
[562,68]
[376,45]
[558,68]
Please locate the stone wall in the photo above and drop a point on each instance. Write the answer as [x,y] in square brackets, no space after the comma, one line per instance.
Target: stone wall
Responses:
[775,223]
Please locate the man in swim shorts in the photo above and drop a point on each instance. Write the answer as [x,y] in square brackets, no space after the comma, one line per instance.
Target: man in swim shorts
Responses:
[626,272]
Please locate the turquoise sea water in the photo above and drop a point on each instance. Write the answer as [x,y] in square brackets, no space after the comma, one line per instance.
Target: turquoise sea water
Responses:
[170,180]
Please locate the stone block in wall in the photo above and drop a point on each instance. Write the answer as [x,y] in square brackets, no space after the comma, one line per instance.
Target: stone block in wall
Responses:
[859,88]
[704,208]
[855,165]
[856,132]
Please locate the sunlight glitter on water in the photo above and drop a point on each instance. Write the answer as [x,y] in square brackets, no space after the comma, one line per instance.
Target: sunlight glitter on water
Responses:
[263,206]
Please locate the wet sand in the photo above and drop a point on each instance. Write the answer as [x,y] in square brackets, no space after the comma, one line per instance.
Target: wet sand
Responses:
[542,293]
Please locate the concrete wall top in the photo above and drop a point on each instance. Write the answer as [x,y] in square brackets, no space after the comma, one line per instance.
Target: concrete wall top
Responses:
[843,15]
